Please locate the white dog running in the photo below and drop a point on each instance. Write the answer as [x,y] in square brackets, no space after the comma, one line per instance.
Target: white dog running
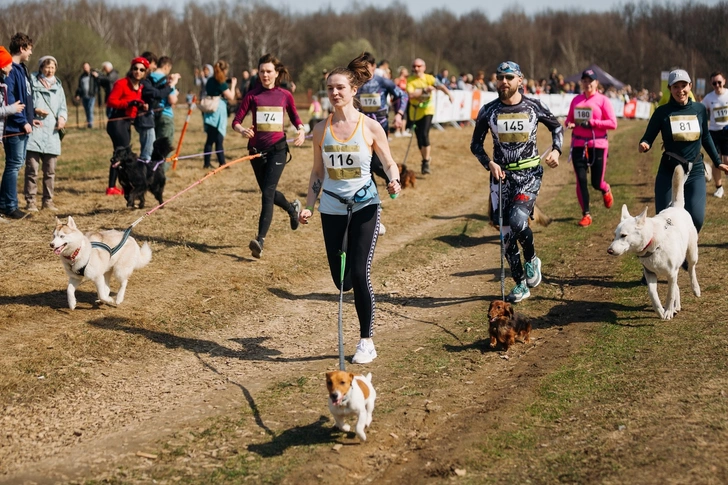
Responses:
[81,260]
[662,244]
[351,394]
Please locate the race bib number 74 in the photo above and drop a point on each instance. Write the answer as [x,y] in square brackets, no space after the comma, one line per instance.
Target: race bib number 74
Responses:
[685,128]
[269,118]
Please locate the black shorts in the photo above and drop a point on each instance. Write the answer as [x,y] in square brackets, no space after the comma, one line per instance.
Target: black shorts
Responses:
[720,140]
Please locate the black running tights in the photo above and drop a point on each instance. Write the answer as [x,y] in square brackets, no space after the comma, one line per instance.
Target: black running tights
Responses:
[268,170]
[359,253]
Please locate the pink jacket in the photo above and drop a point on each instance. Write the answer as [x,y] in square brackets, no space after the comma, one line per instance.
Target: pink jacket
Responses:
[601,118]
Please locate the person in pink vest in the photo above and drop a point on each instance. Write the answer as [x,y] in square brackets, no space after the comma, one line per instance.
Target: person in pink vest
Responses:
[590,116]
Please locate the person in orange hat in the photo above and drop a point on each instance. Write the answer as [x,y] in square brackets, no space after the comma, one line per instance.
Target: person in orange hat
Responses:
[124,102]
[6,65]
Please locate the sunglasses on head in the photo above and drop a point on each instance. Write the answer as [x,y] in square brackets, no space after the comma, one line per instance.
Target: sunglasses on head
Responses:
[717,83]
[509,77]
[140,69]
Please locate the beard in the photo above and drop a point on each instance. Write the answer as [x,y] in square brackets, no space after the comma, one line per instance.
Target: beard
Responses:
[507,92]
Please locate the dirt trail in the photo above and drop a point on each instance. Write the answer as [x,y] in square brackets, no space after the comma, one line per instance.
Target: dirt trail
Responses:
[128,406]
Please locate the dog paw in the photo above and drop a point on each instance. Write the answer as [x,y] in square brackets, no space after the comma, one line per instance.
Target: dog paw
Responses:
[72,306]
[346,428]
[362,436]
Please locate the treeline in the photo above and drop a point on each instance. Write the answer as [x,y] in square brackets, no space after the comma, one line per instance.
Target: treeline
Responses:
[634,42]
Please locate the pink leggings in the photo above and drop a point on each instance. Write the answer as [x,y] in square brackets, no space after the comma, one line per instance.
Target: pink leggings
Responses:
[583,160]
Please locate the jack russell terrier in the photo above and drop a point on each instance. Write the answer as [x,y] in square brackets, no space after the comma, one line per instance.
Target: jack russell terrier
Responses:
[351,394]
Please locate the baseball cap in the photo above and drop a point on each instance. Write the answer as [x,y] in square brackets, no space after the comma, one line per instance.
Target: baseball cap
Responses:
[590,74]
[678,75]
[509,67]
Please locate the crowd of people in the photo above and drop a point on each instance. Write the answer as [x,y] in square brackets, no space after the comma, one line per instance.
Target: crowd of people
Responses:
[350,143]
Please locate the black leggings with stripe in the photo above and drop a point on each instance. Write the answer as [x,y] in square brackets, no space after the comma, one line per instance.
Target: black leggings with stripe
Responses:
[359,253]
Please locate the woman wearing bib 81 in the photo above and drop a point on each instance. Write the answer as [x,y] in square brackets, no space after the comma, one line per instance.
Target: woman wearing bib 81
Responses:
[684,127]
[342,157]
[267,101]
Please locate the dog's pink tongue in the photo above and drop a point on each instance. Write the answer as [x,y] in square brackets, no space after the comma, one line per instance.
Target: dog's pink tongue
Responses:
[58,250]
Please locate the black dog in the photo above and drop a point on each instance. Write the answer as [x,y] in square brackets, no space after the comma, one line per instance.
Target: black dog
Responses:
[137,176]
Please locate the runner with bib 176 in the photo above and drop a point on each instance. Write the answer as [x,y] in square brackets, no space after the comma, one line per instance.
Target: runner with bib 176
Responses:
[516,168]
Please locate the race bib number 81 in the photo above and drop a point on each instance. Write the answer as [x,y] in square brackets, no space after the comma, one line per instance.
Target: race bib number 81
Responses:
[269,118]
[513,127]
[685,128]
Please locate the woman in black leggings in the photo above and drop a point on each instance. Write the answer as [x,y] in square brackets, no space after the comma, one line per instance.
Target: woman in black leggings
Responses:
[342,156]
[267,101]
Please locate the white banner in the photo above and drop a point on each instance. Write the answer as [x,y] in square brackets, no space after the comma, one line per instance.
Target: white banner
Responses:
[462,107]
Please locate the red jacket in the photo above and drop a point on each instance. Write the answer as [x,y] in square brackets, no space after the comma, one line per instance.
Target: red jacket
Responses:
[121,94]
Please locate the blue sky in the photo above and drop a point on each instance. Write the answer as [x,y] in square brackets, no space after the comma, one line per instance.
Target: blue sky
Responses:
[419,7]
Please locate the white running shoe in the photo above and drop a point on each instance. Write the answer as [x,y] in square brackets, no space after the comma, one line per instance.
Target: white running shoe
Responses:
[718,192]
[382,229]
[533,272]
[365,352]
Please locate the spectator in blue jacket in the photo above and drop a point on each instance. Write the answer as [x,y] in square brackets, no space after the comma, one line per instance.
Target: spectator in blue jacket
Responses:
[18,126]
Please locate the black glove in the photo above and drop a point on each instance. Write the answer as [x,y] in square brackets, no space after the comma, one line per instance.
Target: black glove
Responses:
[585,124]
[136,103]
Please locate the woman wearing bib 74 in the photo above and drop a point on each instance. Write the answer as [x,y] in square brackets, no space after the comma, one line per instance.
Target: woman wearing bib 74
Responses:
[267,101]
[683,124]
[342,154]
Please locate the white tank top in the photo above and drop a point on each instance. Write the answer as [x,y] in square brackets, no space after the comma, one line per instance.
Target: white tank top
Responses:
[347,165]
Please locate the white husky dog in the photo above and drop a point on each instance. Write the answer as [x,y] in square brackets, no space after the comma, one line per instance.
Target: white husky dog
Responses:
[662,243]
[81,260]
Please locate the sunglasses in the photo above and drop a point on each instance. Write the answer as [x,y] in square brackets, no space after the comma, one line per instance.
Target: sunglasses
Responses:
[509,77]
[717,83]
[140,69]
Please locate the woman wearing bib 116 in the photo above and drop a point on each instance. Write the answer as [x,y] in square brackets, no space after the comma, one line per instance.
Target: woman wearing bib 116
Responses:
[267,101]
[684,127]
[342,154]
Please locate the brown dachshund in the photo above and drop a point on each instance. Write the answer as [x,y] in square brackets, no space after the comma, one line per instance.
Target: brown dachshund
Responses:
[406,176]
[505,325]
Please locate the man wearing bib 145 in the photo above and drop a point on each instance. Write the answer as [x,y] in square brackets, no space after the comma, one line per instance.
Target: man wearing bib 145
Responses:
[590,116]
[516,167]
[683,124]
[716,102]
[342,155]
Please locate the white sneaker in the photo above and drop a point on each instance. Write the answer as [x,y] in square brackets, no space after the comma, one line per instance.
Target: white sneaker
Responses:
[407,134]
[365,352]
[398,134]
[382,229]
[718,192]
